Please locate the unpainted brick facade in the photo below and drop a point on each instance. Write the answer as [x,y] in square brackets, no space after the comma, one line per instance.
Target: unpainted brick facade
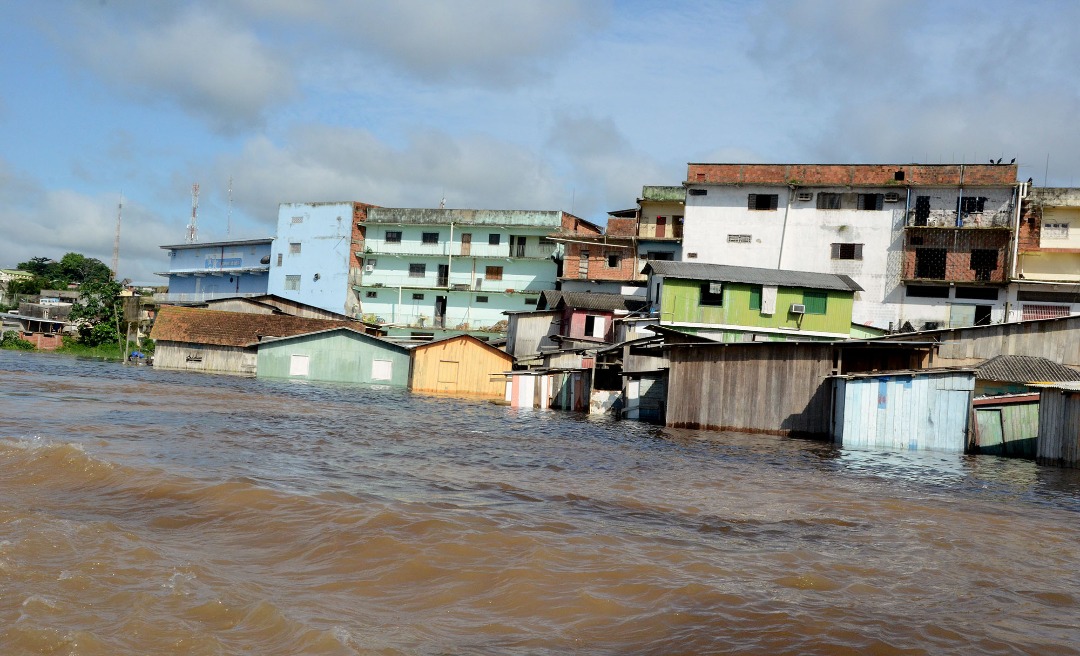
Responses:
[854,175]
[592,261]
[956,255]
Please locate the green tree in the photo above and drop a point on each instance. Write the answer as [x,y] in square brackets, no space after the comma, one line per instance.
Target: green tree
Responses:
[78,268]
[97,311]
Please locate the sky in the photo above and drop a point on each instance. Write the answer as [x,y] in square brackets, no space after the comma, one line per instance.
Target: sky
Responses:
[545,105]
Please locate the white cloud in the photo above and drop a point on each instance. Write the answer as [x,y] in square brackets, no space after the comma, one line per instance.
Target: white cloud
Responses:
[214,69]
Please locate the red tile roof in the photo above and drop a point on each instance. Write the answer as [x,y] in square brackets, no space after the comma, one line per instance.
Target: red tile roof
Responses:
[198,326]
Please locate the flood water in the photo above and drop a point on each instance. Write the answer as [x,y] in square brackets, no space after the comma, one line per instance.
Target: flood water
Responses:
[152,512]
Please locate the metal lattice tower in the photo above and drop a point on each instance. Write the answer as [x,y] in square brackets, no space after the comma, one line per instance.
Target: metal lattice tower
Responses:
[193,227]
[116,242]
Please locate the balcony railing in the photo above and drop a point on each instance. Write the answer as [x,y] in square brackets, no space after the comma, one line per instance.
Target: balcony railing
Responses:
[200,297]
[457,282]
[947,219]
[457,249]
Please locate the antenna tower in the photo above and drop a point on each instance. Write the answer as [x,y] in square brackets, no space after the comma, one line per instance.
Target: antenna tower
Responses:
[193,227]
[116,242]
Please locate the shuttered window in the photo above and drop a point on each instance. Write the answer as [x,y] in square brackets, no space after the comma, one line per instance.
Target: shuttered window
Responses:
[755,297]
[815,302]
[829,201]
[847,251]
[871,201]
[762,201]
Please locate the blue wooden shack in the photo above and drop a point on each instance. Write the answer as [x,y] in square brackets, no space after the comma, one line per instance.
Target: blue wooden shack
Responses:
[925,409]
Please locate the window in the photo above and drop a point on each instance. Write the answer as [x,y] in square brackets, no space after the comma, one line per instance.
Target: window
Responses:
[712,293]
[828,201]
[382,369]
[393,236]
[494,239]
[1055,231]
[583,264]
[280,257]
[594,326]
[930,263]
[297,219]
[299,365]
[815,302]
[739,239]
[613,261]
[847,251]
[977,293]
[294,248]
[926,291]
[430,238]
[871,201]
[481,299]
[762,201]
[922,210]
[517,246]
[371,294]
[983,261]
[292,283]
[530,301]
[969,204]
[755,297]
[493,273]
[658,255]
[417,270]
[698,192]
[417,297]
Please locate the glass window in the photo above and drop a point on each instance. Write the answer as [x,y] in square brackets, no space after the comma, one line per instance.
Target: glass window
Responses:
[393,236]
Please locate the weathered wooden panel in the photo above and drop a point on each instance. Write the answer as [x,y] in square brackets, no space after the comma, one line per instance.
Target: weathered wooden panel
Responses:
[341,356]
[1059,427]
[209,358]
[460,366]
[776,388]
[1057,339]
[904,411]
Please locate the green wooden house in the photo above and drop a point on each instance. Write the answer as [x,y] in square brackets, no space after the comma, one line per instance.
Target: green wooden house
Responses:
[341,355]
[738,304]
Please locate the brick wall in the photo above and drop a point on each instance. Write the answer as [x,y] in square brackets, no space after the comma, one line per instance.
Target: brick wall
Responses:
[358,233]
[1029,234]
[958,245]
[618,227]
[598,268]
[854,175]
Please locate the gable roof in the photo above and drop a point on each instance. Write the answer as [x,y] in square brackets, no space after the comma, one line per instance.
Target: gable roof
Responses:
[592,301]
[466,337]
[354,330]
[1024,369]
[221,328]
[752,275]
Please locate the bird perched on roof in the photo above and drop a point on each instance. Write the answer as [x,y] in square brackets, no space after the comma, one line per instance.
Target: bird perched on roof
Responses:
[1012,161]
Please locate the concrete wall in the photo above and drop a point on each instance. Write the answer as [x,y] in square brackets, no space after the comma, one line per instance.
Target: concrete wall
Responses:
[324,232]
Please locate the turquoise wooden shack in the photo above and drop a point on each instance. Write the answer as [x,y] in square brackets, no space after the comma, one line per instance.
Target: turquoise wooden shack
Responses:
[339,355]
[916,410]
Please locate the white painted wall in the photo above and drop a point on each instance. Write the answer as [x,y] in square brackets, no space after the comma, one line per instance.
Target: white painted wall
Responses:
[324,232]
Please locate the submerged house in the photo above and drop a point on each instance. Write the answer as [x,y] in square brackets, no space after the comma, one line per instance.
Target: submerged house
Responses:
[215,341]
[343,354]
[741,304]
[460,365]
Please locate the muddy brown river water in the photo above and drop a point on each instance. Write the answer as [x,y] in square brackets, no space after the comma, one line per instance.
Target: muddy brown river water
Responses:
[151,512]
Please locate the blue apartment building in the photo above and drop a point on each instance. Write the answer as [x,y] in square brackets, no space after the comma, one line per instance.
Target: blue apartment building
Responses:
[200,272]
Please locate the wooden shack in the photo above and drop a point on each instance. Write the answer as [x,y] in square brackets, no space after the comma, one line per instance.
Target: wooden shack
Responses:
[1006,424]
[1059,426]
[915,410]
[461,365]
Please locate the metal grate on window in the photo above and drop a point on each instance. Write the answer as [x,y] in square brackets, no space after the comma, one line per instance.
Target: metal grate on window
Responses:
[739,239]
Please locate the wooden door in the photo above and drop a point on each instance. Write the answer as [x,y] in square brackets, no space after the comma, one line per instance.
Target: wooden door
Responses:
[466,243]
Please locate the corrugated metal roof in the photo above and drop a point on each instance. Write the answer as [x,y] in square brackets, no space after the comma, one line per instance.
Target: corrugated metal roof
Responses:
[752,275]
[1024,369]
[593,301]
[194,325]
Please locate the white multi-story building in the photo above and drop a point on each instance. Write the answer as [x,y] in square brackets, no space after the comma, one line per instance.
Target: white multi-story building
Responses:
[929,244]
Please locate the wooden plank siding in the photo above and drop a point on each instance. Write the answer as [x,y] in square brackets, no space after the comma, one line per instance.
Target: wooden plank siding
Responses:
[1053,339]
[460,366]
[1059,428]
[744,387]
[208,358]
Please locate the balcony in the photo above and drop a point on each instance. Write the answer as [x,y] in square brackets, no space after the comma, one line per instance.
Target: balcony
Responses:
[381,248]
[955,255]
[917,218]
[460,282]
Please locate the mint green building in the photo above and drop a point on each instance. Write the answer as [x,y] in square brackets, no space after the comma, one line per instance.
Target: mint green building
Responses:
[741,304]
[339,355]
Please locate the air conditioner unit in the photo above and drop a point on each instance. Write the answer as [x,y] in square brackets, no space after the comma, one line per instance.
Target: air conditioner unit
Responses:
[369,268]
[798,308]
[805,195]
